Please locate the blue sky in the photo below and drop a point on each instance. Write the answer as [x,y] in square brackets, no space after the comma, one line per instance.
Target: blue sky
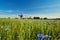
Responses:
[41,8]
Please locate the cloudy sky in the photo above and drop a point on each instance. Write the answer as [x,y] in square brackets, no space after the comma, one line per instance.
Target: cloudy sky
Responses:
[41,8]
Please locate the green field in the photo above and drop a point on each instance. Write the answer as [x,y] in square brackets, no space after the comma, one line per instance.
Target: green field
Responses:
[27,29]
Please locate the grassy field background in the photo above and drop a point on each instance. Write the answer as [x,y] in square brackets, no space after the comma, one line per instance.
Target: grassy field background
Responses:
[27,29]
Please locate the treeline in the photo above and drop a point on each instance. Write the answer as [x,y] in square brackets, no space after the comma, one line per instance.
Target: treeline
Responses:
[30,18]
[38,18]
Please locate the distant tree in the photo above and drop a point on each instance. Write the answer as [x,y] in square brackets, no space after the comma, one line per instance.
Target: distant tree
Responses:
[8,17]
[16,18]
[45,18]
[36,17]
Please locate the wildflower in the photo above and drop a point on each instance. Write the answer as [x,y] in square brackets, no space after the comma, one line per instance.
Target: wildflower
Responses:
[7,29]
[58,33]
[47,36]
[17,36]
[41,36]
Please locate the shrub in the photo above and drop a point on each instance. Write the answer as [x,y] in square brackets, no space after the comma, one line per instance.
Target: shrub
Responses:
[36,17]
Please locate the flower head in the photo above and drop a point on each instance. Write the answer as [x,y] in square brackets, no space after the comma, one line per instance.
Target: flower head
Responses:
[47,36]
[7,29]
[59,34]
[17,36]
[41,36]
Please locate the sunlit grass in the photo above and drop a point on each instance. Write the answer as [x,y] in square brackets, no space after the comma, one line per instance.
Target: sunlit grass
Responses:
[22,29]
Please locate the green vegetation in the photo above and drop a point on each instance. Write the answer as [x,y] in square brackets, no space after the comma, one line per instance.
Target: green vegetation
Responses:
[27,29]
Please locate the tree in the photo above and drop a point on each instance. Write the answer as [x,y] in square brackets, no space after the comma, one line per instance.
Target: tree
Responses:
[45,17]
[36,17]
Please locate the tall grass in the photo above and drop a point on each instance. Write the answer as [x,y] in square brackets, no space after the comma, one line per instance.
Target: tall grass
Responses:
[22,29]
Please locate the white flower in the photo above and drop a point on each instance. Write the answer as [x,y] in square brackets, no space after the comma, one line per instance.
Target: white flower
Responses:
[59,34]
[18,36]
[7,29]
[46,36]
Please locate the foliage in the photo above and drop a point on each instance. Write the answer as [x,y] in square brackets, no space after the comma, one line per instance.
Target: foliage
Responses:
[36,17]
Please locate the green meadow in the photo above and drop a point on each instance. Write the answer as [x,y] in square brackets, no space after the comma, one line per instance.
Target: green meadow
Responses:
[27,29]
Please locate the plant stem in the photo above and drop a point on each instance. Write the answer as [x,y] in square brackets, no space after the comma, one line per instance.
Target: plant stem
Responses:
[41,39]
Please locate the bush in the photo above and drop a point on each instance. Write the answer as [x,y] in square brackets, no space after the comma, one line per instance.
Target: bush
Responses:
[36,17]
[45,18]
[16,18]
